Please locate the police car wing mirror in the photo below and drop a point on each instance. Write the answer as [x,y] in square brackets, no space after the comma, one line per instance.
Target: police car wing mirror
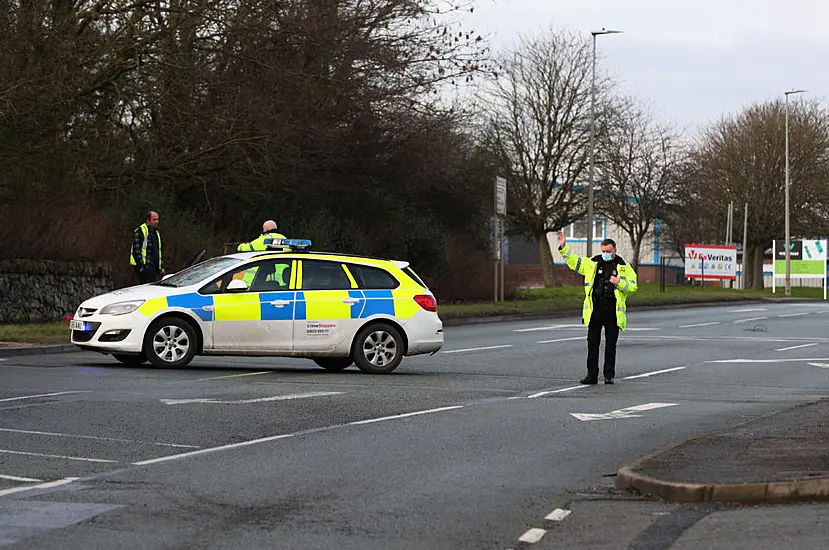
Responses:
[237,285]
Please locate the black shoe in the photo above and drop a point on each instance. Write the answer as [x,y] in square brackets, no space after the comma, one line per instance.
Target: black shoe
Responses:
[608,380]
[588,380]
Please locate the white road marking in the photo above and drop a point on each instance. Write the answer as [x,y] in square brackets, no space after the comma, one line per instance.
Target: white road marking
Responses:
[548,392]
[16,478]
[41,395]
[621,413]
[532,536]
[116,439]
[768,360]
[550,327]
[245,401]
[749,320]
[48,485]
[642,328]
[645,375]
[747,309]
[560,340]
[700,325]
[794,314]
[557,515]
[405,415]
[797,347]
[232,376]
[285,436]
[78,458]
[478,349]
[820,365]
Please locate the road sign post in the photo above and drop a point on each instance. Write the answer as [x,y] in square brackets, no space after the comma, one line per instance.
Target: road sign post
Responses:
[498,233]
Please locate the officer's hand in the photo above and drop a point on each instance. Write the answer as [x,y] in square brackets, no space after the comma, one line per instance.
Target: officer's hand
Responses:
[562,240]
[163,271]
[614,279]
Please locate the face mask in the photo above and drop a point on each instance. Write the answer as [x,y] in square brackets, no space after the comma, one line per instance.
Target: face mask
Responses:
[607,256]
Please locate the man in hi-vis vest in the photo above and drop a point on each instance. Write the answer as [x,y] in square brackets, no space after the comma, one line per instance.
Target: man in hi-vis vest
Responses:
[146,258]
[608,281]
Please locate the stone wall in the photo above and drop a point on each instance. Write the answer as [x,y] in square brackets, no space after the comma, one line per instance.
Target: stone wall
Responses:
[43,291]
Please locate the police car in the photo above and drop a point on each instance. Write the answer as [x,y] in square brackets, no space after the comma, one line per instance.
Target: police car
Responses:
[288,301]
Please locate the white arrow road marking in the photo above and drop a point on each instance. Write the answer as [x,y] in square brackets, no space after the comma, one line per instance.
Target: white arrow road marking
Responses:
[622,413]
[821,365]
[797,347]
[244,401]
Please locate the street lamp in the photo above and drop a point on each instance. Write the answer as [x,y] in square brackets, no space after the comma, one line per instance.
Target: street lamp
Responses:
[788,236]
[593,143]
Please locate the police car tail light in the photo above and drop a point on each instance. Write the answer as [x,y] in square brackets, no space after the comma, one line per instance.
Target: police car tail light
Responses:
[427,302]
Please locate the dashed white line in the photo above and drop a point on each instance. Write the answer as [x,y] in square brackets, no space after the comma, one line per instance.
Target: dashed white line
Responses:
[558,514]
[478,349]
[214,401]
[78,458]
[116,439]
[551,327]
[794,314]
[749,319]
[561,390]
[654,373]
[747,309]
[48,485]
[561,340]
[232,376]
[41,395]
[533,535]
[768,360]
[17,478]
[797,347]
[405,415]
[700,325]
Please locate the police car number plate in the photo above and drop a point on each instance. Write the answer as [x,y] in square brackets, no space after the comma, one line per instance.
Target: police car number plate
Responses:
[75,324]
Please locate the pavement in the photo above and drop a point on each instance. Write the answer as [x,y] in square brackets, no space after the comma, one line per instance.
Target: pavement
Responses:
[489,444]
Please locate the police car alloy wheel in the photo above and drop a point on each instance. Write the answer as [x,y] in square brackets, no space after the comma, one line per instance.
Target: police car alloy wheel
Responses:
[130,360]
[170,343]
[378,348]
[334,364]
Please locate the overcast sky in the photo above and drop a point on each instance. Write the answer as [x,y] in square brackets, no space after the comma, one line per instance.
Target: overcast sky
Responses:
[693,60]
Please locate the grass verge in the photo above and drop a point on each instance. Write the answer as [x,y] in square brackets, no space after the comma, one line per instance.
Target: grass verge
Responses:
[36,333]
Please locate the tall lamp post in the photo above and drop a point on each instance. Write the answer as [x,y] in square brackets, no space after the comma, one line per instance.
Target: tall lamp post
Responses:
[592,143]
[788,236]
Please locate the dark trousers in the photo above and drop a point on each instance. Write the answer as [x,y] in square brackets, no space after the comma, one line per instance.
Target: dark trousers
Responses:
[148,275]
[604,316]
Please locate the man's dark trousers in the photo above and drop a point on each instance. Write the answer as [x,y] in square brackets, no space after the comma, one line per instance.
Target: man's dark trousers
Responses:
[604,315]
[147,275]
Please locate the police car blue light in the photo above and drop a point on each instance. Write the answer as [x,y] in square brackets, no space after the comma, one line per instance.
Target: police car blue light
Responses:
[288,244]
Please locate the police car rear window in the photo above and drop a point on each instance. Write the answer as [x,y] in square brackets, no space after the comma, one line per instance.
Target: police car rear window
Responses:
[410,272]
[372,278]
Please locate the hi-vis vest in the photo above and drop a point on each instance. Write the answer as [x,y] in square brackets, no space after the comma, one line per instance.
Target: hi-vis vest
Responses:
[145,230]
[586,267]
[261,243]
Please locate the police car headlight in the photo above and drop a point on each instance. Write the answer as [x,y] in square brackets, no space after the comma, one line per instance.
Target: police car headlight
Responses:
[121,308]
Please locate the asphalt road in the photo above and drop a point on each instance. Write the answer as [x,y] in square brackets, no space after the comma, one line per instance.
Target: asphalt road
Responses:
[475,447]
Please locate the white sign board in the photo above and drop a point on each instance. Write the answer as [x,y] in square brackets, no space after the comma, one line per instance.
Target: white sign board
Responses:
[500,196]
[710,261]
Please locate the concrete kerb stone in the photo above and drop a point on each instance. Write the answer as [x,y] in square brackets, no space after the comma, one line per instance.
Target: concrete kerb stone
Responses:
[773,492]
[37,350]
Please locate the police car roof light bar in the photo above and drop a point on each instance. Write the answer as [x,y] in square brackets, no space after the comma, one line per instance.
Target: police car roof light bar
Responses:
[288,244]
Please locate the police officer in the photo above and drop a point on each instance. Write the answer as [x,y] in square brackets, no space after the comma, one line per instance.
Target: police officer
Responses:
[146,258]
[608,281]
[268,234]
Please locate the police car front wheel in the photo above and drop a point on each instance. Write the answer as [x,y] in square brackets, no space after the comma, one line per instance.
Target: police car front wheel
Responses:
[378,348]
[170,343]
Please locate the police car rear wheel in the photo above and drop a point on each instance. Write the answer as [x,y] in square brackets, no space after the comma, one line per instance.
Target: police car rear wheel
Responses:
[130,360]
[334,364]
[170,343]
[378,349]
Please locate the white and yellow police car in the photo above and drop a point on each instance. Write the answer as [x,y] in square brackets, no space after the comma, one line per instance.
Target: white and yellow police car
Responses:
[287,301]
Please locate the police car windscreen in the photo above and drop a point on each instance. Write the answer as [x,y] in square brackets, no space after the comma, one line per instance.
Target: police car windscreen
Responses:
[199,272]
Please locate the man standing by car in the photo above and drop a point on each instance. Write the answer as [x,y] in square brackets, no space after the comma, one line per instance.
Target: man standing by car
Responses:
[146,258]
[268,235]
[608,281]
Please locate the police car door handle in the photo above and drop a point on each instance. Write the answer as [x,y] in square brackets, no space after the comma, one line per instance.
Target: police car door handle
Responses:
[280,303]
[350,301]
[207,308]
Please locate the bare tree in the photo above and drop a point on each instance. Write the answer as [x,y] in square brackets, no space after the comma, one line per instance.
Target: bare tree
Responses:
[741,158]
[538,111]
[638,169]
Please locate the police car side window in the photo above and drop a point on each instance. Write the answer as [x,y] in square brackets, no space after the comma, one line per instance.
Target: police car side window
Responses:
[322,275]
[372,278]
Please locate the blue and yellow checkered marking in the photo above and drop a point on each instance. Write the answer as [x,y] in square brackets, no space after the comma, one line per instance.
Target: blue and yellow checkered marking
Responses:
[195,302]
[378,302]
[269,312]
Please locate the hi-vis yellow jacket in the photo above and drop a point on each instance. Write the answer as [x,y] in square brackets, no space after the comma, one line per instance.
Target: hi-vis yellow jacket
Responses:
[586,267]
